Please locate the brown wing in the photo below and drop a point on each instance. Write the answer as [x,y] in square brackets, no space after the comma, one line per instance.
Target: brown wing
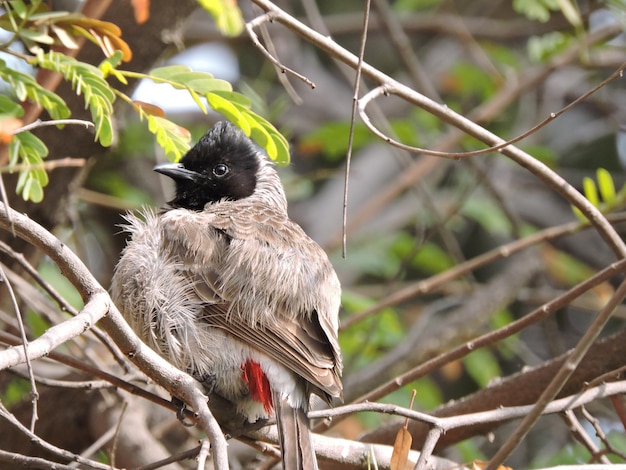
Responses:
[302,348]
[266,283]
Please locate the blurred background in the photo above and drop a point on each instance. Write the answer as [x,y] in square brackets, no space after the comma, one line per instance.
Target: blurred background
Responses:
[410,218]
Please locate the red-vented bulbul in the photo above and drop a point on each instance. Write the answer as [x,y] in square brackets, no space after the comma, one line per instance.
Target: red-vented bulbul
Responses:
[224,285]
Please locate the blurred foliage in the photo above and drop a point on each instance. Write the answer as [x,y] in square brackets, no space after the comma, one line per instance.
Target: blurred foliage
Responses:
[39,28]
[469,211]
[226,14]
[601,193]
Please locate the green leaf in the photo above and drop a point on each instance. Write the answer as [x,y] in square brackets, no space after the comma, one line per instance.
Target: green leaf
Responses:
[88,81]
[591,191]
[279,142]
[571,12]
[26,87]
[170,136]
[19,7]
[34,146]
[31,151]
[579,215]
[9,108]
[206,85]
[541,48]
[234,97]
[331,138]
[226,14]
[234,106]
[167,72]
[35,36]
[488,214]
[33,190]
[606,186]
[482,366]
[432,259]
[536,9]
[229,110]
[109,67]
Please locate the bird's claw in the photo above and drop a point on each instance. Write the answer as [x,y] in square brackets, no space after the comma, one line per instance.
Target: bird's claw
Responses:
[181,410]
[208,381]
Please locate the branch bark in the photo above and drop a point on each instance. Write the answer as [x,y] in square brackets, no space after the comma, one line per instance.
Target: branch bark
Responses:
[98,307]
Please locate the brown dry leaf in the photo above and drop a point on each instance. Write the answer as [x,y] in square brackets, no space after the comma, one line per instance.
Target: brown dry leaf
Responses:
[7,129]
[120,44]
[142,10]
[151,109]
[481,464]
[64,37]
[401,448]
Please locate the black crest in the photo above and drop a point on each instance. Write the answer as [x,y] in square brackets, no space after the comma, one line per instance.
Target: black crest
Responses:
[222,165]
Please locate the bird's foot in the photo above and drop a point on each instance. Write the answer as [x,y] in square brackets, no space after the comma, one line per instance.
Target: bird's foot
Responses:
[181,412]
[208,381]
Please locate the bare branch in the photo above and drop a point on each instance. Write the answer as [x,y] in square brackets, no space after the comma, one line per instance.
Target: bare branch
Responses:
[46,165]
[31,462]
[566,370]
[493,336]
[29,367]
[255,40]
[427,285]
[69,456]
[483,113]
[355,101]
[581,435]
[53,122]
[385,90]
[98,307]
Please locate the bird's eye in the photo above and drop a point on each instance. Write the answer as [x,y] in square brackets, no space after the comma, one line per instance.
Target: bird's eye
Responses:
[220,170]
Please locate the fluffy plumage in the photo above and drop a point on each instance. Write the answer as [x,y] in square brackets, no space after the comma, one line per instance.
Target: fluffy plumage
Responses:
[223,277]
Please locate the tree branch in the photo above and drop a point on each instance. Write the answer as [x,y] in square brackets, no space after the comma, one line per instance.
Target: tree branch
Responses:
[98,307]
[539,169]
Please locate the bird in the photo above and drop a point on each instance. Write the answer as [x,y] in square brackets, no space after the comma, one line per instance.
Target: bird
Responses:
[224,285]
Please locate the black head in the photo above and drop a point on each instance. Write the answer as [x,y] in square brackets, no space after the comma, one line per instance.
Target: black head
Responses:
[222,165]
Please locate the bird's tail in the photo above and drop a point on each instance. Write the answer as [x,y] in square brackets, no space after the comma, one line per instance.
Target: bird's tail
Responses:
[295,436]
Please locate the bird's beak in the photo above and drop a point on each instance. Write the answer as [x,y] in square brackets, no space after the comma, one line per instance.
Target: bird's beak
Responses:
[176,171]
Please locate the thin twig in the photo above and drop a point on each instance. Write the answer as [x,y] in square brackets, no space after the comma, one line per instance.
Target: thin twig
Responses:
[71,384]
[561,377]
[432,438]
[426,285]
[116,435]
[282,77]
[255,40]
[581,436]
[99,307]
[53,122]
[483,113]
[390,20]
[595,423]
[385,90]
[31,462]
[185,455]
[5,202]
[608,377]
[355,102]
[205,449]
[97,444]
[619,404]
[70,361]
[60,300]
[65,454]
[497,335]
[47,165]
[34,394]
[499,414]
[469,127]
